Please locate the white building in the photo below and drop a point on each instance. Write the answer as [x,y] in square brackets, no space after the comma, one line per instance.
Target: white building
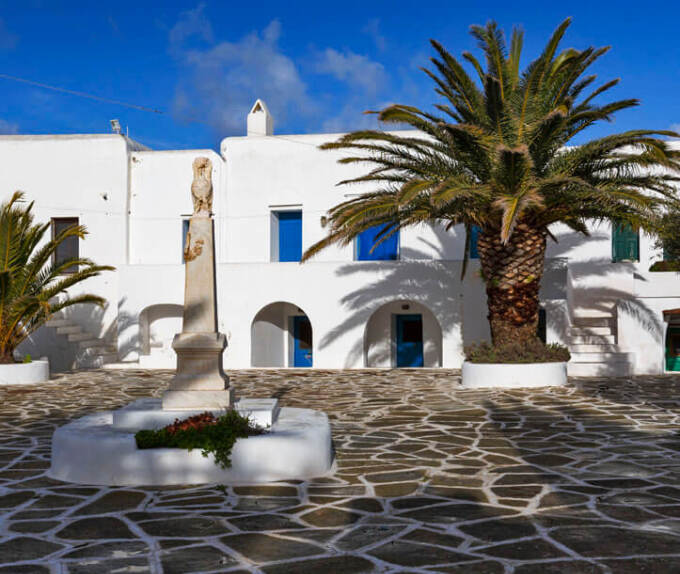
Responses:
[336,311]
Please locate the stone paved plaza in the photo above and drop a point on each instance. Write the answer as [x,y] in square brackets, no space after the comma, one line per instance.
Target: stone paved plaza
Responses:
[429,478]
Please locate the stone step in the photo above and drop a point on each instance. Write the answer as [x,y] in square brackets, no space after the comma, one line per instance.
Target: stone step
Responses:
[81,336]
[594,348]
[99,349]
[91,343]
[591,340]
[614,369]
[58,322]
[581,331]
[616,357]
[602,310]
[587,322]
[69,330]
[96,361]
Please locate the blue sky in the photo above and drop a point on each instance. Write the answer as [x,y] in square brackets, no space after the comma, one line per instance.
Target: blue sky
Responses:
[318,65]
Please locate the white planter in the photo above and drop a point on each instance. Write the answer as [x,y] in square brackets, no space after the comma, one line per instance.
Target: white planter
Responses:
[513,375]
[25,373]
[91,450]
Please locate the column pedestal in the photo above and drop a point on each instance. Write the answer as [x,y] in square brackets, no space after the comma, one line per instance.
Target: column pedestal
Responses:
[200,381]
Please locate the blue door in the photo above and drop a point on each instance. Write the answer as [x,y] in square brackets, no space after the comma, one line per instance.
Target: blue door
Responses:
[290,235]
[302,341]
[410,341]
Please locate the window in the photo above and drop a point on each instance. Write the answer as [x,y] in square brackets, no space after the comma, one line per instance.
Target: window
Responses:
[287,235]
[67,249]
[542,327]
[388,250]
[185,230]
[625,243]
[474,235]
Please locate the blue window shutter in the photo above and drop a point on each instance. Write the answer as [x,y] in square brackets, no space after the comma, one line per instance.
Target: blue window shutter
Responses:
[290,235]
[474,235]
[388,250]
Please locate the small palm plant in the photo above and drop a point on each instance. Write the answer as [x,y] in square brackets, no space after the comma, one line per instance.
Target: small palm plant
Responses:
[32,287]
[496,155]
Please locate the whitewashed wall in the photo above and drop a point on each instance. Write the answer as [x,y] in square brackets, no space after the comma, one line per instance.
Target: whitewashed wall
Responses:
[133,202]
[84,176]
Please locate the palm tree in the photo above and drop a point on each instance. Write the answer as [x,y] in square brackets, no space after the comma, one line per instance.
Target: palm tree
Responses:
[32,286]
[495,155]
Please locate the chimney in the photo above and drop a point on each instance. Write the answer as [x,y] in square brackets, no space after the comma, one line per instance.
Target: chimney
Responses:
[260,121]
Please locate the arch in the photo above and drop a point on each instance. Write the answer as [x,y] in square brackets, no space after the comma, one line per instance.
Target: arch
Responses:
[158,324]
[281,335]
[382,333]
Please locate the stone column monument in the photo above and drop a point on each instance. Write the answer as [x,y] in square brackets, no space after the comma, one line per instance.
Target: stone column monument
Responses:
[200,381]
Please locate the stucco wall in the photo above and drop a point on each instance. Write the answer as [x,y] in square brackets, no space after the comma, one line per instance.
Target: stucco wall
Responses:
[82,176]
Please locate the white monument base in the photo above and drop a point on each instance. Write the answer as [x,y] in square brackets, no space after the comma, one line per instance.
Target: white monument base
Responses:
[101,449]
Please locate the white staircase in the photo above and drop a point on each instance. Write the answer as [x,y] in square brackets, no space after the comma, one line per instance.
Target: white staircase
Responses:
[593,344]
[90,351]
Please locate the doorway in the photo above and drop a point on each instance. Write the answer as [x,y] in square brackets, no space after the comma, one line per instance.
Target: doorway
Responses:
[409,340]
[302,341]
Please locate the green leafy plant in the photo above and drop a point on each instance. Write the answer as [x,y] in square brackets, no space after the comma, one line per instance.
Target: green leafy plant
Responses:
[665,266]
[213,435]
[27,358]
[497,153]
[32,286]
[668,239]
[530,351]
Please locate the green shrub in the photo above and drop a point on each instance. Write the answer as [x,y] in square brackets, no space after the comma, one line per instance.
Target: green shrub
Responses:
[517,352]
[668,236]
[665,266]
[210,434]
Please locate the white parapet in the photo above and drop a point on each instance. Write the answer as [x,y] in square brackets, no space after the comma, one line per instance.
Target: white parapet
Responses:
[90,450]
[515,375]
[25,373]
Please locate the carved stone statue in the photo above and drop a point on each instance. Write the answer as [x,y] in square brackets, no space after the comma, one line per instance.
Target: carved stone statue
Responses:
[201,187]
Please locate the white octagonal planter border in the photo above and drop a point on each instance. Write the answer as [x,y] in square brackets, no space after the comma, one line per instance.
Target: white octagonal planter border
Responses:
[513,375]
[89,450]
[25,373]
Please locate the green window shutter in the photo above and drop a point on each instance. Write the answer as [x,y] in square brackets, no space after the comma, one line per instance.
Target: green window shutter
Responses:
[625,243]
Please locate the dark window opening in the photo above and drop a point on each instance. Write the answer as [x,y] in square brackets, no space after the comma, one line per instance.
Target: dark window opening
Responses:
[541,330]
[185,230]
[69,248]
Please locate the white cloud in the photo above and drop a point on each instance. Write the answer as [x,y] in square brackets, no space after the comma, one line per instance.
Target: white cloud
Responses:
[372,29]
[224,79]
[191,23]
[8,128]
[356,70]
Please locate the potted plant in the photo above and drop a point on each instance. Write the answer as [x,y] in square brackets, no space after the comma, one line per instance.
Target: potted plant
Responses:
[33,286]
[496,157]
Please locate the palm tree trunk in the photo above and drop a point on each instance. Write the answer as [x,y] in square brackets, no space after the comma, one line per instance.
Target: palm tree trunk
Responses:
[512,273]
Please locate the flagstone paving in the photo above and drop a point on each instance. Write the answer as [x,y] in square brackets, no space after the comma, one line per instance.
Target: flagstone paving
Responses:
[428,478]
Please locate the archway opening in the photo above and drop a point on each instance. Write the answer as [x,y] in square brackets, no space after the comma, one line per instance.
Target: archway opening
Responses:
[281,336]
[403,333]
[158,325]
